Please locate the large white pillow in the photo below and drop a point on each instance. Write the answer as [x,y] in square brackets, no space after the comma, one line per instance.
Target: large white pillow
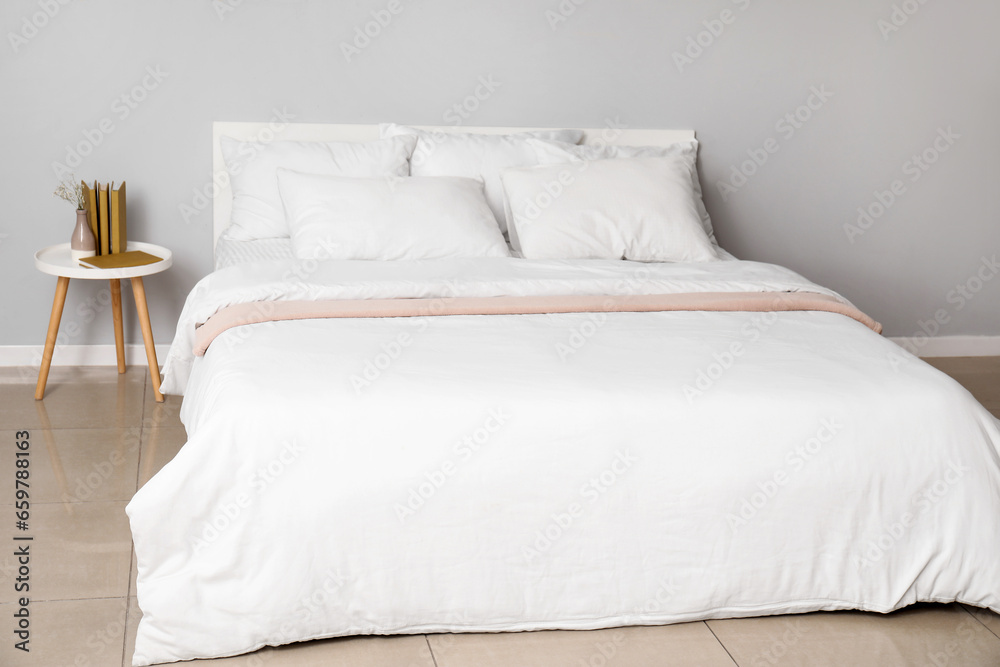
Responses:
[257,211]
[557,152]
[622,208]
[480,156]
[390,218]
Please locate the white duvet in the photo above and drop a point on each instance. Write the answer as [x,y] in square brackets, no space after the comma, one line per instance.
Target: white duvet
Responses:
[513,472]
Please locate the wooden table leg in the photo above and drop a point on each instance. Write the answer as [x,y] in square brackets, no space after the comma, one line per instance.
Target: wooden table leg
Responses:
[116,313]
[62,286]
[147,335]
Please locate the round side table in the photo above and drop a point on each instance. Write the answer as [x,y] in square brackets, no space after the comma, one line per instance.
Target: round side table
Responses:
[56,261]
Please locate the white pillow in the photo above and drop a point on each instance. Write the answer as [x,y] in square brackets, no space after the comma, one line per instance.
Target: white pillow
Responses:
[556,152]
[624,208]
[480,156]
[390,218]
[257,211]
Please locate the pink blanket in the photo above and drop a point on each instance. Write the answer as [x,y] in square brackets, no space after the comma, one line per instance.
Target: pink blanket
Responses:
[271,311]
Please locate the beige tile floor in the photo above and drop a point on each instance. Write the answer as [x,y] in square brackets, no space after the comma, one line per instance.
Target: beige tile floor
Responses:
[88,460]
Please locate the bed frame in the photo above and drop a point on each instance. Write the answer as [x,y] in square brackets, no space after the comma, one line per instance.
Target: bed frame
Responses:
[266,132]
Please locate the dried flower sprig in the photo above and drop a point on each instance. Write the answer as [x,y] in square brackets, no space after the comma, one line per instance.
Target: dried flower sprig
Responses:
[71,191]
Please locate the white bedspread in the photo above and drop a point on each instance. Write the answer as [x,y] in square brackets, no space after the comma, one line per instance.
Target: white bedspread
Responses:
[273,280]
[474,473]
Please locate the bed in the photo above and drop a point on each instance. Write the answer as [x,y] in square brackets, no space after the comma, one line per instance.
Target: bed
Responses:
[492,443]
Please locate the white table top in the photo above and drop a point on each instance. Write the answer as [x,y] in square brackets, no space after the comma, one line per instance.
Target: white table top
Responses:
[57,261]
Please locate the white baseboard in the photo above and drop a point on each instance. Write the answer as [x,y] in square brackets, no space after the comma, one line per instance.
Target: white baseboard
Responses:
[951,346]
[78,355]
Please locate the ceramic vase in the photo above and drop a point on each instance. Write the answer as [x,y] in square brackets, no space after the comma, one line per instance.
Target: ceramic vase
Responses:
[82,244]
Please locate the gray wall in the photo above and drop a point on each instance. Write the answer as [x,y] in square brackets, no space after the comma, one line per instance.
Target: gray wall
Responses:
[891,95]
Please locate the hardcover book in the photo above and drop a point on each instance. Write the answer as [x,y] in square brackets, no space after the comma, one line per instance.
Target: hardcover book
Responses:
[118,241]
[90,202]
[104,221]
[121,260]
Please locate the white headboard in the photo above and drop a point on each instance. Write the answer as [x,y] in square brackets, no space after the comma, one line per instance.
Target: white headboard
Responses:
[266,132]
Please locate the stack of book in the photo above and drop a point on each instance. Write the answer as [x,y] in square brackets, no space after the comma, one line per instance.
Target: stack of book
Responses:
[106,214]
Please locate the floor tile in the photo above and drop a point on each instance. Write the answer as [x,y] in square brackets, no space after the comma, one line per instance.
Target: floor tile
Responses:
[88,633]
[76,397]
[989,618]
[132,575]
[73,465]
[79,550]
[163,415]
[918,635]
[398,651]
[687,644]
[159,446]
[131,625]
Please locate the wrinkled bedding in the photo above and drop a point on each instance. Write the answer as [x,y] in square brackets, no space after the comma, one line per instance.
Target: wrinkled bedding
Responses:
[568,470]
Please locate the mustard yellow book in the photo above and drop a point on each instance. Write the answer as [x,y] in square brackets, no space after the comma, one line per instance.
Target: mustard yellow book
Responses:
[118,241]
[121,260]
[90,203]
[104,224]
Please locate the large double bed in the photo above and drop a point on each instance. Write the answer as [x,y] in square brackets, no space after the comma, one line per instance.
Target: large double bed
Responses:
[497,443]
